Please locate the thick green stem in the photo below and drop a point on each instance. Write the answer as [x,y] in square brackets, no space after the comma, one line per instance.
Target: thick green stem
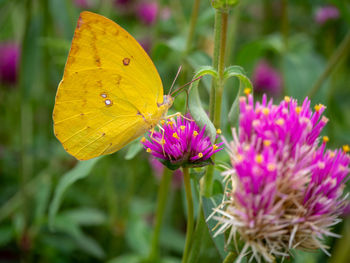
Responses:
[339,55]
[161,204]
[230,257]
[217,89]
[190,219]
[193,21]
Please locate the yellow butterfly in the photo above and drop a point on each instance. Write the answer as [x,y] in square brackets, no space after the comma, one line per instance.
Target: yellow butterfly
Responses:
[110,93]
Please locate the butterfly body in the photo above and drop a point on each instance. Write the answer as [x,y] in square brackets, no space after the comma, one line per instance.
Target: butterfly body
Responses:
[110,93]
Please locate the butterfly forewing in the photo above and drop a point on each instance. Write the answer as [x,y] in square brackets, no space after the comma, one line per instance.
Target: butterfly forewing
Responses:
[109,85]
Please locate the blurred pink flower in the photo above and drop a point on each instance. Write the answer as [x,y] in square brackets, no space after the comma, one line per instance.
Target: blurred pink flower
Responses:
[9,58]
[165,13]
[146,43]
[158,169]
[82,4]
[266,79]
[326,13]
[147,12]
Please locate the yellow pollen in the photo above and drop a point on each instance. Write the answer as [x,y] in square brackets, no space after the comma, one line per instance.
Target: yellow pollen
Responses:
[346,148]
[143,139]
[170,123]
[215,147]
[247,91]
[267,143]
[266,111]
[162,141]
[149,150]
[259,158]
[331,154]
[175,135]
[280,121]
[325,139]
[200,155]
[298,109]
[318,107]
[239,157]
[195,133]
[218,131]
[182,127]
[162,122]
[271,167]
[286,99]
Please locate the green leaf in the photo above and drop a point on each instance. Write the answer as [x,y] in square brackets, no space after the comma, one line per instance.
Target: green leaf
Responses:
[133,149]
[208,205]
[195,105]
[244,82]
[80,171]
[128,258]
[6,235]
[83,241]
[86,216]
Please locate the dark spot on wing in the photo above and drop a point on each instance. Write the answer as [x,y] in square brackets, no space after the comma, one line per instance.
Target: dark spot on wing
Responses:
[126,61]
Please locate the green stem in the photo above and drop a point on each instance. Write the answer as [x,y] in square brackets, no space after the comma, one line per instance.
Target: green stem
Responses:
[193,21]
[230,258]
[285,24]
[217,88]
[190,219]
[338,56]
[161,204]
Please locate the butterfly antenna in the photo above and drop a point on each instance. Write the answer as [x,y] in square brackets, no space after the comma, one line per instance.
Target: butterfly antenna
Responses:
[188,83]
[177,74]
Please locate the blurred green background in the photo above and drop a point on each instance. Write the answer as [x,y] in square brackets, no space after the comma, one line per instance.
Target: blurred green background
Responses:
[294,48]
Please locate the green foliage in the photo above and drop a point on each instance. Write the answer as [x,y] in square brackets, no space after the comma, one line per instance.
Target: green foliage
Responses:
[49,214]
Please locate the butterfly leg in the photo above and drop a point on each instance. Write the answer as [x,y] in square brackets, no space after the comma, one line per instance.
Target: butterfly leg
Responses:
[178,114]
[162,141]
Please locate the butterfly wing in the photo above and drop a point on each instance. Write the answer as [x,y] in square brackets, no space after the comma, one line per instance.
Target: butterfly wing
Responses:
[108,87]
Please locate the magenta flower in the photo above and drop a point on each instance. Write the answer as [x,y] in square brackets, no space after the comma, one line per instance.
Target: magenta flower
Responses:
[181,144]
[147,12]
[83,4]
[325,14]
[266,79]
[286,190]
[9,59]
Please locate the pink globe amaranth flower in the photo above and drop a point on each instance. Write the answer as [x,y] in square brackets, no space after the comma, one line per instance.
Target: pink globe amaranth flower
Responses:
[181,143]
[266,79]
[147,12]
[286,189]
[9,59]
[158,169]
[325,14]
[84,4]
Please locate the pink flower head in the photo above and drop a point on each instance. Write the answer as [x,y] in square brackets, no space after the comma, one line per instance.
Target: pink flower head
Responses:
[9,58]
[182,143]
[147,12]
[83,4]
[267,79]
[287,189]
[326,13]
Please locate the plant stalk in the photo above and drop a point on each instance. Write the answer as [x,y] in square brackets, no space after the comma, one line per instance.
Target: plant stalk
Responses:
[338,56]
[230,258]
[190,218]
[193,22]
[161,204]
[217,88]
